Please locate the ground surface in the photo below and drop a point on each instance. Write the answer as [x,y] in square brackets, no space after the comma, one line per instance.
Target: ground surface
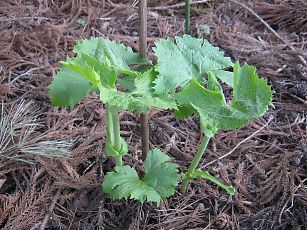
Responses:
[268,169]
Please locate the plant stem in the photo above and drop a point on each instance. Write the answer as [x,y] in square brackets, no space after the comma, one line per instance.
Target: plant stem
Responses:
[194,163]
[109,126]
[187,17]
[119,161]
[142,52]
[113,131]
[116,133]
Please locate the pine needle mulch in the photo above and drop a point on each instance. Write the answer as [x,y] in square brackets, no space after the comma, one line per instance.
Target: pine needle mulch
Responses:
[41,187]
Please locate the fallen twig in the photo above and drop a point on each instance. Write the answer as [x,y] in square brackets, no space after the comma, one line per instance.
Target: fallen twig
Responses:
[50,209]
[237,146]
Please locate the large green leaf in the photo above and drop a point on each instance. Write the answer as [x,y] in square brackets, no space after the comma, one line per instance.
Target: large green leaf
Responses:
[160,180]
[110,53]
[251,97]
[68,88]
[185,58]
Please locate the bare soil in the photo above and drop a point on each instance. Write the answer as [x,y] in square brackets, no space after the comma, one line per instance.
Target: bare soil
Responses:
[268,167]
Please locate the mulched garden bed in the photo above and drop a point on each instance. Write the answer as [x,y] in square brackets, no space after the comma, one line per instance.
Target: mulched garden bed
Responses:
[266,160]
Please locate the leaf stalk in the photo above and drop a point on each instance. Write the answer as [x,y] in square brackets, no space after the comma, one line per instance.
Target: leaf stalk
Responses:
[113,131]
[194,163]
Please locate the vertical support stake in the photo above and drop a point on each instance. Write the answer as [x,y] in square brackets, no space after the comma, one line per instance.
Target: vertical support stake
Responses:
[142,52]
[187,17]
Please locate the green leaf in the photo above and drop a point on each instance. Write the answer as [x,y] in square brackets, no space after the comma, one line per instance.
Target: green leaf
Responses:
[184,111]
[207,176]
[160,173]
[94,71]
[185,58]
[251,97]
[144,83]
[213,84]
[251,94]
[132,103]
[68,88]
[111,151]
[160,180]
[141,99]
[224,76]
[110,53]
[125,183]
[107,74]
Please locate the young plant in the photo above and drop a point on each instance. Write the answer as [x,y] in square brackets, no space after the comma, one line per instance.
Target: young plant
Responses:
[185,79]
[185,82]
[98,66]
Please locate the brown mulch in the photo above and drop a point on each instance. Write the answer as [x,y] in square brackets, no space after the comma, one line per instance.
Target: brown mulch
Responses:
[268,169]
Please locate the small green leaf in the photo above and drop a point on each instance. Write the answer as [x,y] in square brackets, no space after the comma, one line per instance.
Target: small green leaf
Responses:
[154,159]
[111,151]
[107,74]
[185,58]
[68,88]
[160,180]
[83,69]
[207,176]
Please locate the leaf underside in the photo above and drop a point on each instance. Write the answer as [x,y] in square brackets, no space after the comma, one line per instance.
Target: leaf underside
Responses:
[160,180]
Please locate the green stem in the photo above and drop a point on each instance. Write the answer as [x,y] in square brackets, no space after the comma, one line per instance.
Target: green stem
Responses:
[109,126]
[119,161]
[194,163]
[113,131]
[116,133]
[228,188]
[187,17]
